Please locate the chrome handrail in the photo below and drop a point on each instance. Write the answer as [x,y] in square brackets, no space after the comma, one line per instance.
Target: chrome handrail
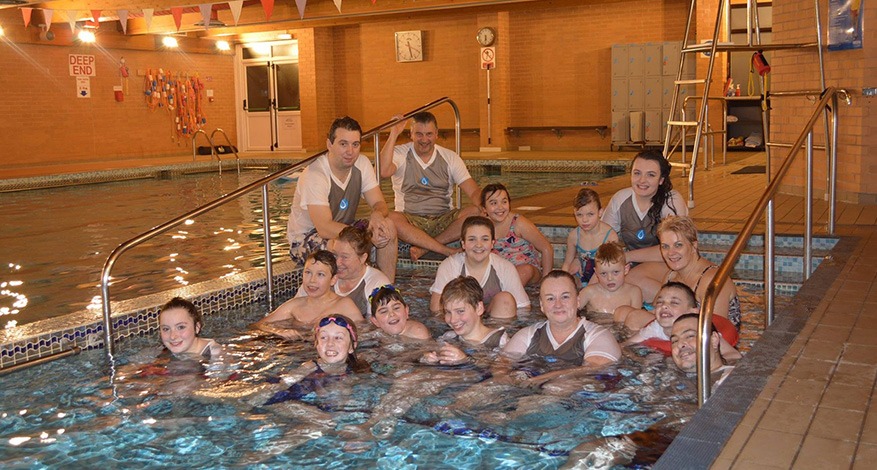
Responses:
[237,158]
[724,272]
[212,149]
[263,182]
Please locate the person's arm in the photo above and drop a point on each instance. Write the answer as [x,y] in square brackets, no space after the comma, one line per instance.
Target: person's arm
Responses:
[383,230]
[388,167]
[585,296]
[473,192]
[416,330]
[348,308]
[568,260]
[652,253]
[321,216]
[636,296]
[531,233]
[435,303]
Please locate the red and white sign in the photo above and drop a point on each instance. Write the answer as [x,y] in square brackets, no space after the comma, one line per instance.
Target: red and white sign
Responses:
[81,65]
[488,57]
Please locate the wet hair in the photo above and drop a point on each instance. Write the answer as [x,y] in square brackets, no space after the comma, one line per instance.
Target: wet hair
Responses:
[475,221]
[358,238]
[464,288]
[558,274]
[585,197]
[492,189]
[681,225]
[610,252]
[688,294]
[695,316]
[662,196]
[189,307]
[345,122]
[425,117]
[383,296]
[353,363]
[326,257]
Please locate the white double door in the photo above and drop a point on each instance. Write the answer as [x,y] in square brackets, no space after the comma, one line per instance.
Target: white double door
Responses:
[271,108]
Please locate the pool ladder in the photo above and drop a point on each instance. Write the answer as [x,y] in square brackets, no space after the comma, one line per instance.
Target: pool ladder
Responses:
[210,139]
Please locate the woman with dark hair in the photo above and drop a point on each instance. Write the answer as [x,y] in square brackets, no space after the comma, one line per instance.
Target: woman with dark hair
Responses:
[635,213]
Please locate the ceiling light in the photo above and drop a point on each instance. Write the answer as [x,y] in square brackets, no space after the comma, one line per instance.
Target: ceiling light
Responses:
[169,41]
[86,36]
[284,36]
[1,30]
[223,45]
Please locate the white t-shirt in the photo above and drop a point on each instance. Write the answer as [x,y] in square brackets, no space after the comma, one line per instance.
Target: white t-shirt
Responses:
[639,234]
[448,173]
[509,281]
[314,186]
[652,330]
[370,280]
[597,340]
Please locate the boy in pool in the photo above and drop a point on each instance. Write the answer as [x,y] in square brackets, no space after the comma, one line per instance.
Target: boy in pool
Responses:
[498,277]
[462,303]
[610,291]
[179,324]
[318,277]
[390,314]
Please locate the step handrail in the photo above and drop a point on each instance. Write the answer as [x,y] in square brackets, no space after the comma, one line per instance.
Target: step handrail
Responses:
[237,158]
[212,149]
[829,95]
[105,277]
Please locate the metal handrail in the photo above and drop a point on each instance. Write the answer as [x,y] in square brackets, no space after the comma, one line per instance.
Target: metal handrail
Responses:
[212,149]
[830,95]
[263,182]
[237,158]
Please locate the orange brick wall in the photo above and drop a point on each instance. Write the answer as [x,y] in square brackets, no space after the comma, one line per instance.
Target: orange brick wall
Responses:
[43,122]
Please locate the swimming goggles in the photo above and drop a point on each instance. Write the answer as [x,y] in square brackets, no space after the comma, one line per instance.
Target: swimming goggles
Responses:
[388,287]
[340,322]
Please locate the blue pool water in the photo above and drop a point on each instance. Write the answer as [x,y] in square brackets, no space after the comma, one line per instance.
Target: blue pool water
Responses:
[166,414]
[55,241]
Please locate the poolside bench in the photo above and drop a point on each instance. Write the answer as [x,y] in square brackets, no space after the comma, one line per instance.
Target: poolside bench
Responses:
[558,130]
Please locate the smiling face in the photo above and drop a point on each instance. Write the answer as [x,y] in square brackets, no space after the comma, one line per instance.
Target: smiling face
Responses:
[463,317]
[317,278]
[477,243]
[497,206]
[645,177]
[670,304]
[391,317]
[558,300]
[423,137]
[333,343]
[678,251]
[611,275]
[179,333]
[351,265]
[345,150]
[588,216]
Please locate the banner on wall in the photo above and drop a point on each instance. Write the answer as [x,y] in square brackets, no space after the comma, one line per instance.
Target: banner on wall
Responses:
[81,65]
[83,87]
[845,24]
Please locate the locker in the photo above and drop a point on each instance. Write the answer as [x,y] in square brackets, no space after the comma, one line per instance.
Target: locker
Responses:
[620,127]
[637,126]
[653,92]
[635,58]
[635,98]
[619,94]
[619,60]
[652,60]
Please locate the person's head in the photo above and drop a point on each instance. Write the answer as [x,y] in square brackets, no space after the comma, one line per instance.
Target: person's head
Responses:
[335,339]
[343,142]
[477,237]
[650,179]
[179,323]
[462,301]
[319,273]
[496,202]
[351,249]
[389,310]
[610,266]
[678,238]
[558,297]
[587,209]
[424,131]
[673,300]
[683,343]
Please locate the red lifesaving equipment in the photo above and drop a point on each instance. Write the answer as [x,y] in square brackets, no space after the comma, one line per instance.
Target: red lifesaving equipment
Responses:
[759,63]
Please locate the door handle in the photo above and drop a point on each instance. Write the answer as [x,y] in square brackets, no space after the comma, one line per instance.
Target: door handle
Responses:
[245,105]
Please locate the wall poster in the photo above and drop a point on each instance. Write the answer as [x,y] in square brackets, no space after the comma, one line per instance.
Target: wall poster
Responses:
[845,24]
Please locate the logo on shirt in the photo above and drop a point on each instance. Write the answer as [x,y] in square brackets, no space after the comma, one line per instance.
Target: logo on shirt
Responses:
[641,234]
[424,181]
[343,204]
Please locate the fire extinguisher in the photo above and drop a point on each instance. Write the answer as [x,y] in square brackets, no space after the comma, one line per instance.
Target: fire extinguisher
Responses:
[759,63]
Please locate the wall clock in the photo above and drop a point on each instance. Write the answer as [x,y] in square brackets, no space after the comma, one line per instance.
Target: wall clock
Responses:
[486,36]
[409,46]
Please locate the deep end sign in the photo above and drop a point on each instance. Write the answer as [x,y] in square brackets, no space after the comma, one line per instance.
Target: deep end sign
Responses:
[81,65]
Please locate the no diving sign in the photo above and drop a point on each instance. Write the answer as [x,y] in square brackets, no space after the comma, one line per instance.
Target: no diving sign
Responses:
[488,57]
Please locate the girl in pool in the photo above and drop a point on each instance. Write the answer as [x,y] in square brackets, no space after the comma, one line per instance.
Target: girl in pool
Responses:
[179,324]
[591,232]
[517,239]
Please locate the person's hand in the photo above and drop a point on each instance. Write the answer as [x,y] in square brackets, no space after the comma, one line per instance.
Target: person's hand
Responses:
[382,230]
[398,127]
[449,354]
[429,357]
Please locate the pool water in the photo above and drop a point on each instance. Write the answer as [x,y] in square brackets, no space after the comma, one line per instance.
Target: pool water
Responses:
[165,414]
[55,241]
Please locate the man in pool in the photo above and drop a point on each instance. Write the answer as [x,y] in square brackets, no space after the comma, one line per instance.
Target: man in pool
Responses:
[327,196]
[683,344]
[424,175]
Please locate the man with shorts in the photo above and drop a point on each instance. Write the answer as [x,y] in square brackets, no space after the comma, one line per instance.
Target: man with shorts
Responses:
[424,176]
[328,193]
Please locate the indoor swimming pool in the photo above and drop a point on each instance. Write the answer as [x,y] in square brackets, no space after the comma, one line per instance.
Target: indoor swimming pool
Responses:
[55,241]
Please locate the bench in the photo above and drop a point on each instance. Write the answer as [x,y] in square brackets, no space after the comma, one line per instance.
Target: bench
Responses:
[558,130]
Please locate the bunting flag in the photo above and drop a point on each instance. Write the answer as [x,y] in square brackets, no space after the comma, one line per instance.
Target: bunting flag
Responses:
[268,6]
[147,17]
[205,14]
[300,4]
[235,8]
[178,16]
[25,14]
[71,19]
[47,17]
[95,15]
[123,20]
[338,5]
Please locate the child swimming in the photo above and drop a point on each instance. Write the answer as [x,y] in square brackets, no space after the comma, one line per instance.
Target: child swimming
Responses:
[179,323]
[610,291]
[591,232]
[517,239]
[390,314]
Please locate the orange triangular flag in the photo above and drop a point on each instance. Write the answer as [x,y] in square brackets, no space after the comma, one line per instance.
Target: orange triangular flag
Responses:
[235,8]
[47,17]
[95,15]
[123,20]
[25,14]
[178,16]
[268,6]
[301,4]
